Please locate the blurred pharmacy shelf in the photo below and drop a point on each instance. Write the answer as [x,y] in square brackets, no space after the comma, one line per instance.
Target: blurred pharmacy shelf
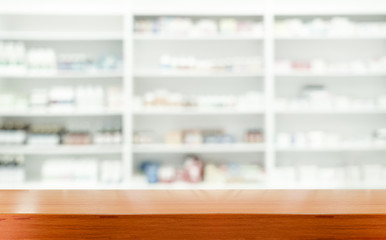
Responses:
[134,185]
[62,150]
[356,148]
[61,36]
[97,75]
[195,38]
[188,112]
[60,185]
[331,111]
[181,186]
[202,148]
[337,38]
[194,74]
[75,113]
[96,28]
[329,75]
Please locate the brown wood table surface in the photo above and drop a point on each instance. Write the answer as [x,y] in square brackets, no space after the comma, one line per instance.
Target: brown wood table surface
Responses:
[192,214]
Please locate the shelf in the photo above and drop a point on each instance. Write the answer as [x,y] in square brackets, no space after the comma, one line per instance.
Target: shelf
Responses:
[83,113]
[198,11]
[182,186]
[134,185]
[61,149]
[308,74]
[199,148]
[187,112]
[261,185]
[32,25]
[331,148]
[35,185]
[192,74]
[138,185]
[67,10]
[348,38]
[140,37]
[66,76]
[61,36]
[326,186]
[331,111]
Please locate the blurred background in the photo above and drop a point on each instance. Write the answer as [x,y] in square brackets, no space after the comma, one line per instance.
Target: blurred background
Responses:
[211,94]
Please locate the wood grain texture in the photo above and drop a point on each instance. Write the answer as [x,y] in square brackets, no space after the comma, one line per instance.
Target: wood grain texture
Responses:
[180,214]
[193,201]
[193,226]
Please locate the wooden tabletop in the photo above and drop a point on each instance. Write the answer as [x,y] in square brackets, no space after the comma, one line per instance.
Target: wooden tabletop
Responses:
[193,214]
[126,202]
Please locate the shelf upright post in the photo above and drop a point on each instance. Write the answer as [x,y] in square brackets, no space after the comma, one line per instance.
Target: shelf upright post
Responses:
[269,89]
[128,91]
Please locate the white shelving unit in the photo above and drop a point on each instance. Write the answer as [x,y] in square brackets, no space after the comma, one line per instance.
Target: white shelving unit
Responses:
[75,113]
[100,75]
[333,149]
[352,123]
[331,111]
[160,74]
[114,26]
[60,36]
[329,75]
[189,112]
[63,150]
[235,121]
[209,38]
[335,38]
[202,148]
[76,30]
